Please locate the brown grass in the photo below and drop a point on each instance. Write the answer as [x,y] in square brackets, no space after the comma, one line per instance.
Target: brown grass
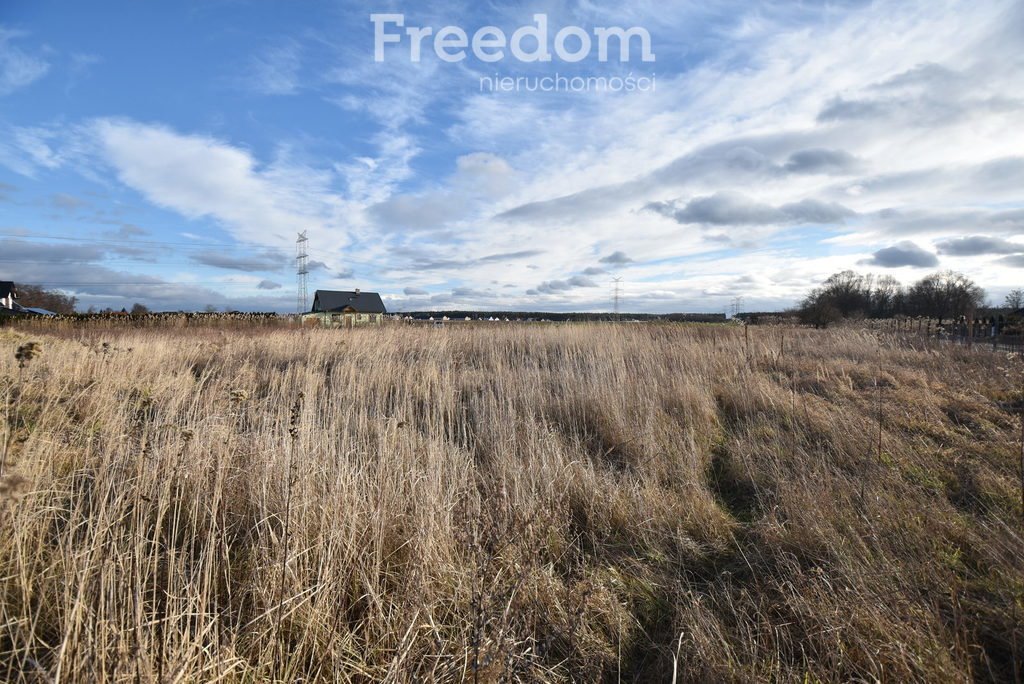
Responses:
[515,503]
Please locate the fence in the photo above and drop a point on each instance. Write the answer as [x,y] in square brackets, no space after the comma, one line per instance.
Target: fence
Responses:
[996,333]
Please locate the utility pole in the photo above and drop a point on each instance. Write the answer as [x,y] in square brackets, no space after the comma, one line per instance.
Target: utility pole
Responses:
[737,305]
[617,282]
[301,272]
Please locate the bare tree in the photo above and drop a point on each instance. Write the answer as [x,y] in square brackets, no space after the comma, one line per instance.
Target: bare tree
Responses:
[35,296]
[848,294]
[1015,300]
[887,299]
[945,295]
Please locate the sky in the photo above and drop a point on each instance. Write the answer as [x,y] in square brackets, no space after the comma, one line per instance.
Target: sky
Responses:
[169,152]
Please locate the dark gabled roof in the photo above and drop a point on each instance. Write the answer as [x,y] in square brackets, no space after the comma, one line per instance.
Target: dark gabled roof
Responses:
[338,301]
[6,288]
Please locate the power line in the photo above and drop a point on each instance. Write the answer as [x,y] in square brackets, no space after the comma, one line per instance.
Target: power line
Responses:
[184,245]
[617,282]
[302,271]
[119,241]
[102,262]
[163,283]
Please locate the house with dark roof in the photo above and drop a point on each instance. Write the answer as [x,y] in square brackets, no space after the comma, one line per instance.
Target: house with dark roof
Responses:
[338,308]
[7,295]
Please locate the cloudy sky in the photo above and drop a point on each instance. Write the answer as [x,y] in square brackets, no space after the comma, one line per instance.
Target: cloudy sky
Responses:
[169,152]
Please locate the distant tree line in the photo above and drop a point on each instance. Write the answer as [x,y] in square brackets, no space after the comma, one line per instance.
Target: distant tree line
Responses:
[136,310]
[34,296]
[943,296]
[37,297]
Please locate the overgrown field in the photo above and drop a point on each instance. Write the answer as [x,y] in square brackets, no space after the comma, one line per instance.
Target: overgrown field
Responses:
[509,503]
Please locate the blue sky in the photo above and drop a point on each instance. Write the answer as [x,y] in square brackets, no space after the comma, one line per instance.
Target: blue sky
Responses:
[169,152]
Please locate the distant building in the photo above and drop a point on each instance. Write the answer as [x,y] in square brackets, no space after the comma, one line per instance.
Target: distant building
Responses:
[346,309]
[37,310]
[7,295]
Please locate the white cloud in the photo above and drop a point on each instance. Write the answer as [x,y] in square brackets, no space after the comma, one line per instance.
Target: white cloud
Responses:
[17,67]
[478,180]
[484,174]
[200,176]
[275,71]
[29,149]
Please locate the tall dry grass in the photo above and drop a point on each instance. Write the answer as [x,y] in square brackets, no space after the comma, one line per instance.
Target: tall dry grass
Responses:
[506,504]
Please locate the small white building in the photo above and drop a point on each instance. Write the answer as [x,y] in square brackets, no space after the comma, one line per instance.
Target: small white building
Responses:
[7,294]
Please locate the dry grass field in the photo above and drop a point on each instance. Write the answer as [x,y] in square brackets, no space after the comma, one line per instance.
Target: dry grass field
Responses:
[513,503]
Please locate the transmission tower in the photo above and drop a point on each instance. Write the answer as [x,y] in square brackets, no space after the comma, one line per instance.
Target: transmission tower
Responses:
[301,272]
[737,306]
[617,282]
